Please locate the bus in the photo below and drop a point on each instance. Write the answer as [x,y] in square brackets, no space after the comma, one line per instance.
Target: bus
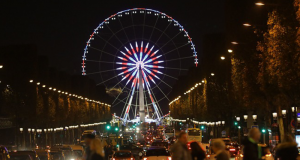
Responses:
[194,134]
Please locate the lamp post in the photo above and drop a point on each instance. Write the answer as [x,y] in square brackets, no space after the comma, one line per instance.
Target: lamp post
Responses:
[254,118]
[22,138]
[29,132]
[294,115]
[274,114]
[46,137]
[239,132]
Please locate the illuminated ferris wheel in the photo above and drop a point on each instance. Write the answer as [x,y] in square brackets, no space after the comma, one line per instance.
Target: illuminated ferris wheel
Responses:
[138,54]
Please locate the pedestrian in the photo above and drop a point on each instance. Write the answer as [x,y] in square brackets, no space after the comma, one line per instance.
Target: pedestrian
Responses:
[87,140]
[252,151]
[218,146]
[97,151]
[197,151]
[287,150]
[179,149]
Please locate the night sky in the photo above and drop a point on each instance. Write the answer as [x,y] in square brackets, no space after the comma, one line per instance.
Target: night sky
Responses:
[61,28]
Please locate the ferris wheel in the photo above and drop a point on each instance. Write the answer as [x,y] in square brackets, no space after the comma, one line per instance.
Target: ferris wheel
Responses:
[138,54]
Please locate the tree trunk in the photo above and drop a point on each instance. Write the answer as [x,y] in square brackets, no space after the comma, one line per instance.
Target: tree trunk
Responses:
[280,123]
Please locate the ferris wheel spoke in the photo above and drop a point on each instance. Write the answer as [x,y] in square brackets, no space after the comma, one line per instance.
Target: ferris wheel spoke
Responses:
[114,34]
[179,59]
[99,61]
[144,25]
[102,51]
[107,80]
[154,26]
[107,42]
[170,40]
[158,88]
[133,26]
[175,49]
[162,33]
[101,71]
[123,29]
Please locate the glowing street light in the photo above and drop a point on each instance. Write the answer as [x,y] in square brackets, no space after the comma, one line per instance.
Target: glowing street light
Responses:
[259,4]
[247,24]
[31,81]
[234,42]
[212,74]
[1,66]
[222,58]
[38,83]
[230,50]
[44,86]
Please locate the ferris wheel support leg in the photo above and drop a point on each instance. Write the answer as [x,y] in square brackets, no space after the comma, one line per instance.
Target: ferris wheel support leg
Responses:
[141,96]
[153,103]
[128,106]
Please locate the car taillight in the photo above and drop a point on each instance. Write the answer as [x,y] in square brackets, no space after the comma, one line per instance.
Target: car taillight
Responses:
[169,158]
[232,150]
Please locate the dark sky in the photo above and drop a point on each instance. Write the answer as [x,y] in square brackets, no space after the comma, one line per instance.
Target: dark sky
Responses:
[61,28]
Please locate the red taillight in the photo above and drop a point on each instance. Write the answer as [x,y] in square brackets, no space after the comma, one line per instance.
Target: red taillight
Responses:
[169,158]
[232,150]
[145,158]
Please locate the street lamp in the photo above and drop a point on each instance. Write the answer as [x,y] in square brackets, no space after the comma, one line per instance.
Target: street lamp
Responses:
[31,81]
[238,119]
[293,109]
[245,117]
[223,122]
[230,50]
[259,4]
[222,58]
[254,117]
[234,42]
[21,130]
[247,24]
[1,66]
[212,74]
[283,113]
[274,115]
[44,86]
[38,83]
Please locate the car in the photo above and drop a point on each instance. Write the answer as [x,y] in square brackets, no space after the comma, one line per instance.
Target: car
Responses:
[32,154]
[157,153]
[135,150]
[78,151]
[18,156]
[122,155]
[161,144]
[43,154]
[56,155]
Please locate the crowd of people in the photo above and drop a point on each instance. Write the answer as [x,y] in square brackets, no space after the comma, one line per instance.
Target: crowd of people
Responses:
[287,150]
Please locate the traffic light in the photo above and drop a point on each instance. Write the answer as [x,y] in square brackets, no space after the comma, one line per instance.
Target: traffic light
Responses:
[108,127]
[202,127]
[263,130]
[235,123]
[180,123]
[239,127]
[116,129]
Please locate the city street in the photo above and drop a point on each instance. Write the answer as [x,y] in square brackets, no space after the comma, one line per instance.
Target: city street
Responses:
[150,80]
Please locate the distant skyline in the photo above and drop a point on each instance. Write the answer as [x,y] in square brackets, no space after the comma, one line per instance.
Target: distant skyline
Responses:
[61,29]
